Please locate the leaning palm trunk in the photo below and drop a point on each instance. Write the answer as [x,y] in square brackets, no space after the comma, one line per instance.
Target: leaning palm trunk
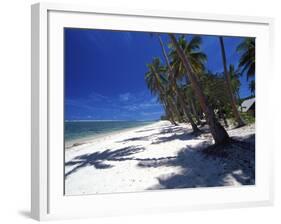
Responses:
[178,93]
[186,111]
[169,114]
[218,132]
[173,108]
[194,112]
[229,87]
[168,103]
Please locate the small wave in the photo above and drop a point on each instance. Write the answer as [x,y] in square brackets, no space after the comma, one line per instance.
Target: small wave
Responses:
[75,144]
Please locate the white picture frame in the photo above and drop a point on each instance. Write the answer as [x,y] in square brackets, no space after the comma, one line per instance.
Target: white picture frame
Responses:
[48,201]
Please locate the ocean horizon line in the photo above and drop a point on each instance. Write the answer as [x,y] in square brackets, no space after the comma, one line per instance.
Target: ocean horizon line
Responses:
[84,120]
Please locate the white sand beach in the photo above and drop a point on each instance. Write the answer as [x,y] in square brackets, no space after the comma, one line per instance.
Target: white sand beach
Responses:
[158,156]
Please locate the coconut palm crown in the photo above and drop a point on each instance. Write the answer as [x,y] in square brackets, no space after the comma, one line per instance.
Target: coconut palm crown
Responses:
[247,50]
[192,50]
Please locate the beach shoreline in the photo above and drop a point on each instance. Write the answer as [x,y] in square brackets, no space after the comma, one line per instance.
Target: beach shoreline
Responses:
[155,156]
[70,144]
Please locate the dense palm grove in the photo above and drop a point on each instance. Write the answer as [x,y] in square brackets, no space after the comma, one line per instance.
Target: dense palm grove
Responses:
[190,93]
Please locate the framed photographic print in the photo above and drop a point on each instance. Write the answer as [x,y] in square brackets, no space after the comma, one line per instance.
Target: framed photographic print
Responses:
[148,111]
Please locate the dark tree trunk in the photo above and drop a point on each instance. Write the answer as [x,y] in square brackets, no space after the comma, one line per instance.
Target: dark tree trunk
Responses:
[225,121]
[218,132]
[171,107]
[178,93]
[185,110]
[167,105]
[222,116]
[233,103]
[195,112]
[169,114]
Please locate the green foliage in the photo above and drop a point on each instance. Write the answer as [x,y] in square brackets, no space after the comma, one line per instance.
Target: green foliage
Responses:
[192,49]
[247,49]
[154,77]
[234,80]
[163,117]
[248,118]
[215,89]
[167,85]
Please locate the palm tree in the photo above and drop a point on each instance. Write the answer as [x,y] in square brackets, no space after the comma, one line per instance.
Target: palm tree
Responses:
[191,101]
[234,79]
[214,89]
[217,130]
[174,86]
[153,79]
[155,82]
[247,49]
[252,87]
[170,113]
[192,50]
[197,59]
[229,87]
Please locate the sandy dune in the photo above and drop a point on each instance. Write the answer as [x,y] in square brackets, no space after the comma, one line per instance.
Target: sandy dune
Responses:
[158,156]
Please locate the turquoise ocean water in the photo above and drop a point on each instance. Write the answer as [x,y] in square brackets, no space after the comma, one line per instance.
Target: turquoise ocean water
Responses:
[76,132]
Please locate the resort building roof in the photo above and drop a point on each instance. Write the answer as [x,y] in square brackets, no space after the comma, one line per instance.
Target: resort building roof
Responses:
[247,104]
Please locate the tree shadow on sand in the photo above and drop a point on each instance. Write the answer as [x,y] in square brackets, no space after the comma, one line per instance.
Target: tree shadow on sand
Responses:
[178,132]
[99,160]
[141,138]
[145,130]
[174,128]
[200,168]
[184,136]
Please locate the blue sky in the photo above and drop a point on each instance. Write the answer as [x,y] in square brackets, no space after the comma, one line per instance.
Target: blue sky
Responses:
[104,73]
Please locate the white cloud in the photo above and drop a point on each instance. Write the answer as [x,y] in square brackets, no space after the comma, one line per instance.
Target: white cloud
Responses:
[148,105]
[123,106]
[97,97]
[131,107]
[125,97]
[151,113]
